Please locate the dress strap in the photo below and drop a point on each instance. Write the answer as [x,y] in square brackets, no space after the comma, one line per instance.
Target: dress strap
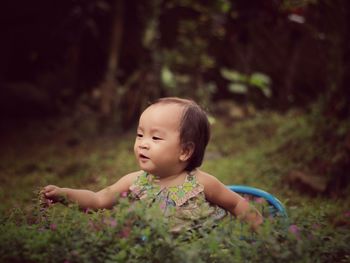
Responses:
[191,176]
[142,185]
[190,188]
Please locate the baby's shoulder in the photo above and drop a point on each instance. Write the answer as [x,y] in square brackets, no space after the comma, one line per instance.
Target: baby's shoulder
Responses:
[206,179]
[212,186]
[131,177]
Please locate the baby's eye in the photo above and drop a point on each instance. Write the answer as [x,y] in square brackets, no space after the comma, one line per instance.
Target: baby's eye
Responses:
[139,135]
[156,138]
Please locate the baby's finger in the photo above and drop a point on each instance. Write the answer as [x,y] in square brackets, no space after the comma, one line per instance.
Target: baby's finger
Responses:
[51,193]
[49,188]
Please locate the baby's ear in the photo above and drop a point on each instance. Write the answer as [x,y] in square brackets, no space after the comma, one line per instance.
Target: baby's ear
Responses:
[187,151]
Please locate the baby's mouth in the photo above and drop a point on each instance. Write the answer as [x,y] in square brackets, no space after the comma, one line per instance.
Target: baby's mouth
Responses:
[143,156]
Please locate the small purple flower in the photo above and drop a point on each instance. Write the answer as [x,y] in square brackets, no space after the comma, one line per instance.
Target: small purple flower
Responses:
[316,226]
[53,227]
[347,214]
[260,200]
[124,194]
[113,223]
[125,232]
[162,205]
[87,210]
[294,229]
[110,222]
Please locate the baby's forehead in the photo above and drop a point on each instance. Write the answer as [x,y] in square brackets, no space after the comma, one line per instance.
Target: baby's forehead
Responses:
[166,107]
[163,113]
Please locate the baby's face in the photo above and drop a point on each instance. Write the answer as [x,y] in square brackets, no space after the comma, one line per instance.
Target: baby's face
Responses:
[157,145]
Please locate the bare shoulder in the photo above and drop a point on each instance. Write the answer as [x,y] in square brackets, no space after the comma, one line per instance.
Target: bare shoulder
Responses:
[211,184]
[207,180]
[130,178]
[216,192]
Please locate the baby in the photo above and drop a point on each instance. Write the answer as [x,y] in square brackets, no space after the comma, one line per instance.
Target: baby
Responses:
[171,139]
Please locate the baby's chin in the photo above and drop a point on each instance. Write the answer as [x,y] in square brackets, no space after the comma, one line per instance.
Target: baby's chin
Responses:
[145,169]
[150,171]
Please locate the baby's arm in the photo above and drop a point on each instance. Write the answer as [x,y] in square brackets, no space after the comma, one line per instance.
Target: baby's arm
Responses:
[105,198]
[217,193]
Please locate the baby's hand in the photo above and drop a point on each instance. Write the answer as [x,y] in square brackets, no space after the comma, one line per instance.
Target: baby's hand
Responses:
[53,193]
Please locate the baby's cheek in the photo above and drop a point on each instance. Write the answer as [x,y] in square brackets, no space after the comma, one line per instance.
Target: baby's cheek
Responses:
[135,149]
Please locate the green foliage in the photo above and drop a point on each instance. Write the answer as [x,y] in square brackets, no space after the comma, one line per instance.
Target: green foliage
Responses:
[239,82]
[293,4]
[178,48]
[132,233]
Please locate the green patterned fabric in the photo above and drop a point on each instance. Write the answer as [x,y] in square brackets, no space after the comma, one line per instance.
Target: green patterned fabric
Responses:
[185,205]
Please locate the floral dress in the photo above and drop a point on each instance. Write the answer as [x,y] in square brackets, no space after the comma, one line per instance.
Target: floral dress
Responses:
[184,204]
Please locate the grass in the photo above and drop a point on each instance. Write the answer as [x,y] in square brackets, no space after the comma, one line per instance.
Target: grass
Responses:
[256,152]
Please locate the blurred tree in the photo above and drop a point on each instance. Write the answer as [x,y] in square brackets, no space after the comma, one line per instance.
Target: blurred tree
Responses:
[126,53]
[141,81]
[109,85]
[332,120]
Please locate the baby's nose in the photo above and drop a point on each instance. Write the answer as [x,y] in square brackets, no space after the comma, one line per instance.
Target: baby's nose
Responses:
[144,145]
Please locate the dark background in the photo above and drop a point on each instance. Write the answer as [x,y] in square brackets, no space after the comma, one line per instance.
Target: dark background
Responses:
[57,54]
